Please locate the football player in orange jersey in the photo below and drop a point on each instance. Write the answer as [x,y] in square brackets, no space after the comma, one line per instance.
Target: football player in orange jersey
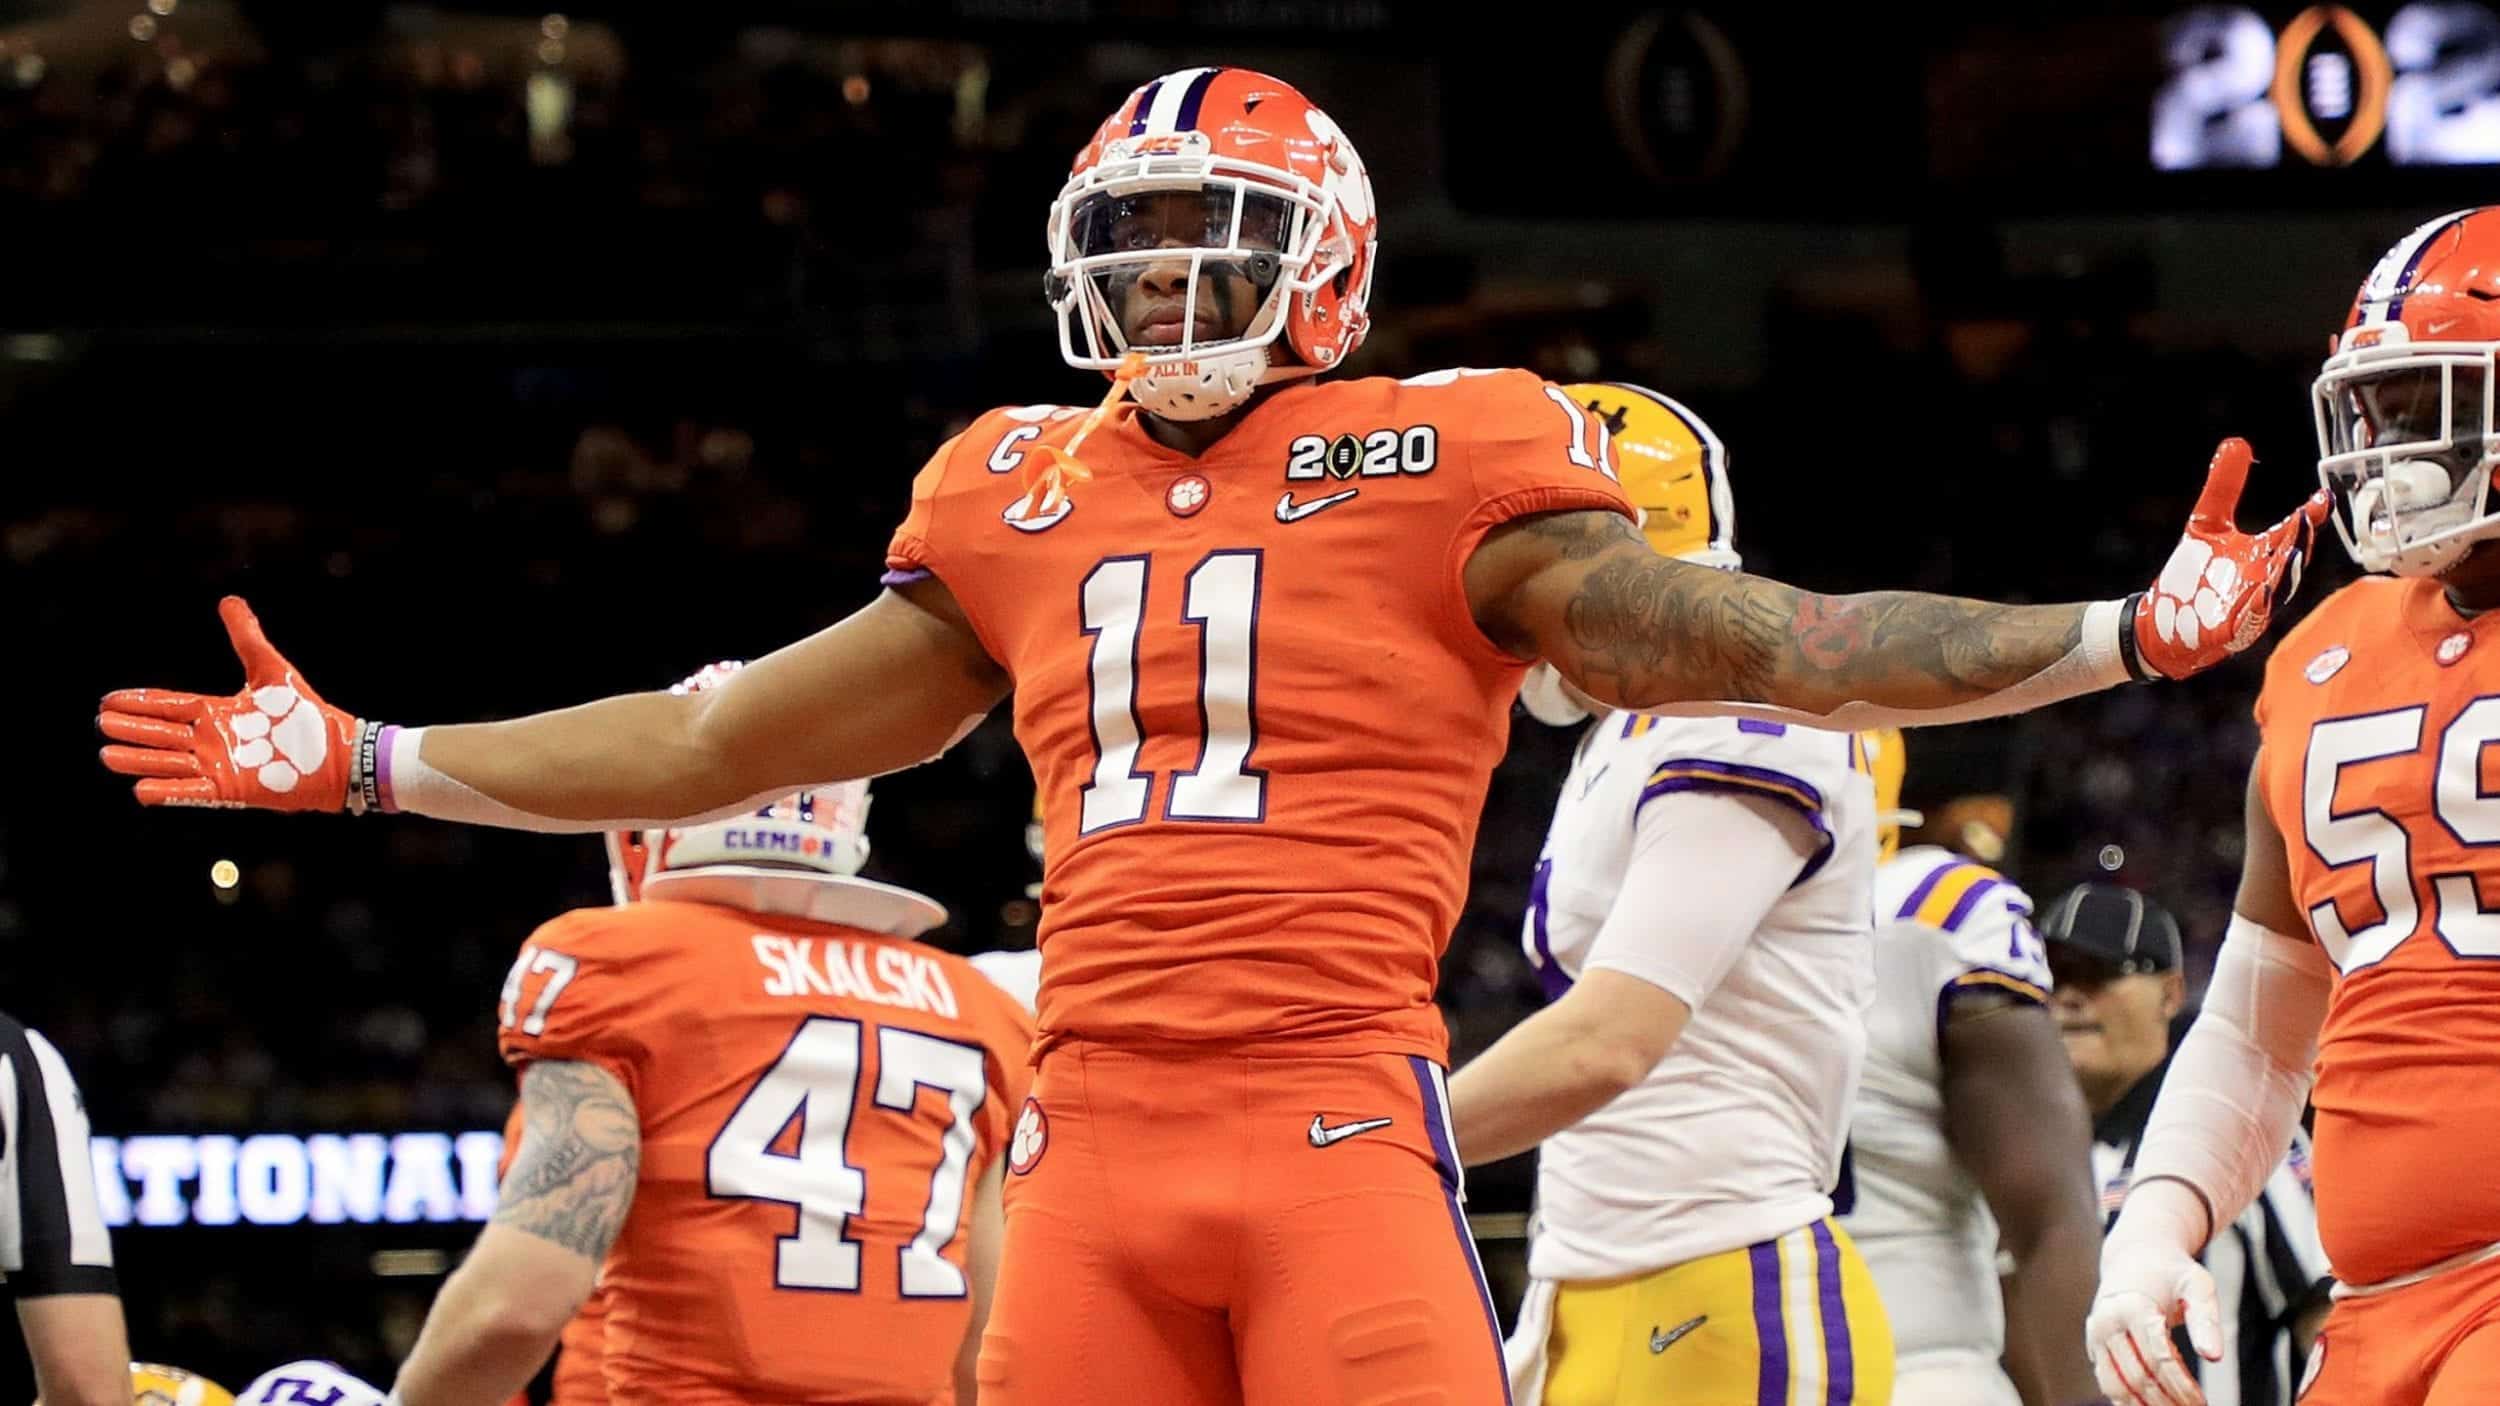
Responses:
[1263,631]
[794,1100]
[2364,941]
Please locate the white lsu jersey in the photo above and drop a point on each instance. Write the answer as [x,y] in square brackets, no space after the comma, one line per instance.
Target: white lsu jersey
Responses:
[1944,926]
[1018,973]
[1735,1138]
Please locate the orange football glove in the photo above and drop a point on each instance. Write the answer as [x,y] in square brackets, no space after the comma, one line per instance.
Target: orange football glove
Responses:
[273,746]
[2222,585]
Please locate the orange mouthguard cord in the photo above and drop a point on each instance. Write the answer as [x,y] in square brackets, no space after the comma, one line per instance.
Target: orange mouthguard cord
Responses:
[1055,468]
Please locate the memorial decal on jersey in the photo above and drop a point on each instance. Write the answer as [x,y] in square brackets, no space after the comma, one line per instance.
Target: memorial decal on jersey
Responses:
[1382,453]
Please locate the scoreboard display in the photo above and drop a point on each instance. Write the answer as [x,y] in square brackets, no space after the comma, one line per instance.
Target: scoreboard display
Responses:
[2330,85]
[1719,110]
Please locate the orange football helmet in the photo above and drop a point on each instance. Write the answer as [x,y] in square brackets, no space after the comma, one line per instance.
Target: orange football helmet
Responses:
[1231,177]
[2404,403]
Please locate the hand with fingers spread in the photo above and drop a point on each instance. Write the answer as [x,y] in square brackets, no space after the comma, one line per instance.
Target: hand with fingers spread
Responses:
[2222,586]
[2150,1283]
[273,746]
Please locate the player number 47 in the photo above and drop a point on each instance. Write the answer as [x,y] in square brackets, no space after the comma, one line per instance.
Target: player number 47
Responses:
[559,970]
[805,1103]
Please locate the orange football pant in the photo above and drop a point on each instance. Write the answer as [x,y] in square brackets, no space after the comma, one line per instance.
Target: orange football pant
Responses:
[2436,1343]
[1236,1230]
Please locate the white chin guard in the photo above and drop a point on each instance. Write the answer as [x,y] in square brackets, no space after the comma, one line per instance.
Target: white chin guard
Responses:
[1202,387]
[2413,488]
[1542,694]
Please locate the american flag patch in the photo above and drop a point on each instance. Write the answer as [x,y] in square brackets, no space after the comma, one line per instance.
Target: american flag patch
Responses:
[2114,1194]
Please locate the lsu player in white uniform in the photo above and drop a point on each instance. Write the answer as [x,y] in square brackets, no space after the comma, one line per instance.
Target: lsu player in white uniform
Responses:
[1699,918]
[1969,1135]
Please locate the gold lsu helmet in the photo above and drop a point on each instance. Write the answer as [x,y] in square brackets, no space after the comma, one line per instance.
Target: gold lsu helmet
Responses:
[1673,469]
[1888,762]
[154,1384]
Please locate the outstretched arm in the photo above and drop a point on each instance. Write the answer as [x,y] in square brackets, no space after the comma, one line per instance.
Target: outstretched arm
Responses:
[563,1201]
[890,686]
[1637,630]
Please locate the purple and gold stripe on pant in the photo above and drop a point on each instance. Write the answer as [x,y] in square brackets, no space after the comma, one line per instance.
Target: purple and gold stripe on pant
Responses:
[1801,1320]
[1433,1091]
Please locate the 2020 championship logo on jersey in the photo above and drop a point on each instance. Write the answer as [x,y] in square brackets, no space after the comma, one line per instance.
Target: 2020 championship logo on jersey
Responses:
[1377,454]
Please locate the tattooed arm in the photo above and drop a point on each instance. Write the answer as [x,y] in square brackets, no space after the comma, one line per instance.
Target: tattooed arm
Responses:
[563,1201]
[1633,629]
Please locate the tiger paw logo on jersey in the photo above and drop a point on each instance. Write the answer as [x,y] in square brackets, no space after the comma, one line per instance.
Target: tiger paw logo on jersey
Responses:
[1187,495]
[1024,1150]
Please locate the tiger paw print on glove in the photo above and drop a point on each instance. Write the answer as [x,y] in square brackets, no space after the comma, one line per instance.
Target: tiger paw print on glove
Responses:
[273,746]
[2222,586]
[280,738]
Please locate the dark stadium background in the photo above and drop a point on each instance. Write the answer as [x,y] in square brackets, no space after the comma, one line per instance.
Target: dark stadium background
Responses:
[505,360]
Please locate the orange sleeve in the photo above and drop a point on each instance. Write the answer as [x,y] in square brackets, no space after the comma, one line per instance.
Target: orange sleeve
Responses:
[1531,449]
[908,557]
[583,988]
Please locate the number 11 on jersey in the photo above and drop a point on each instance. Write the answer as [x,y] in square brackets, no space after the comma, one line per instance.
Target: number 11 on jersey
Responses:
[1220,599]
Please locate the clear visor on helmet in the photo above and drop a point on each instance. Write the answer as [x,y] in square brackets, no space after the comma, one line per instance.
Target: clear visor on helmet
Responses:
[1179,271]
[2401,447]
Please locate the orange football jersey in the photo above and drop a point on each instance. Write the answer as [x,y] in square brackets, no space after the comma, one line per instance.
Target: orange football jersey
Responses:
[818,1105]
[1258,709]
[2380,716]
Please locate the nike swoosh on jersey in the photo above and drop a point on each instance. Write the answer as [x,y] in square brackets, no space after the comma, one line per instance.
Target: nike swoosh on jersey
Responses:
[1660,1339]
[1288,510]
[1324,1136]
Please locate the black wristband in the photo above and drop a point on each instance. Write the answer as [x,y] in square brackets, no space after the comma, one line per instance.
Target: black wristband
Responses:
[2128,654]
[364,788]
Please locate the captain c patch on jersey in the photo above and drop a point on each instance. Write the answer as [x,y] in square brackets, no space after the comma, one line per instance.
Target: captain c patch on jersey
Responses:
[1379,454]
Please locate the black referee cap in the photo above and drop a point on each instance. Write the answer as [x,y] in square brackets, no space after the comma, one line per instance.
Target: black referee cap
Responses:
[2113,926]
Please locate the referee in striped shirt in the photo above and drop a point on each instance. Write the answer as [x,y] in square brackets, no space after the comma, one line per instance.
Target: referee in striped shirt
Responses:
[2115,955]
[55,1253]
